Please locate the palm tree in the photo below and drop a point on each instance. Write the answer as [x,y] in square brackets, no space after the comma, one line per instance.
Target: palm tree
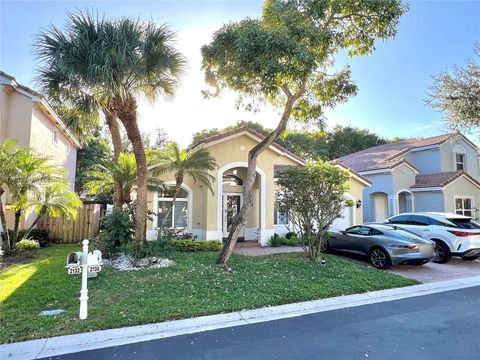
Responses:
[195,163]
[123,172]
[57,199]
[115,62]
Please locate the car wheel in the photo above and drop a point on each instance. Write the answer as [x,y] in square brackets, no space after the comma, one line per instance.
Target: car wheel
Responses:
[324,247]
[442,253]
[470,258]
[380,259]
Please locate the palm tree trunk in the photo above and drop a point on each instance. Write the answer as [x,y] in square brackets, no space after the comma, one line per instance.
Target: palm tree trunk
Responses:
[112,123]
[16,226]
[33,225]
[5,238]
[127,112]
[241,218]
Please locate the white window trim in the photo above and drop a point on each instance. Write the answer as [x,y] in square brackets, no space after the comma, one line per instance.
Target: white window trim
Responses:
[189,200]
[275,219]
[459,150]
[463,197]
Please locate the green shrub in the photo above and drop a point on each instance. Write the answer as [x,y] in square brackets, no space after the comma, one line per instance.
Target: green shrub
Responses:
[119,225]
[290,234]
[276,240]
[197,245]
[40,235]
[27,247]
[105,242]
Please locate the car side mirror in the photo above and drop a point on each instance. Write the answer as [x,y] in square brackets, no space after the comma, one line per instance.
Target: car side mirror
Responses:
[343,232]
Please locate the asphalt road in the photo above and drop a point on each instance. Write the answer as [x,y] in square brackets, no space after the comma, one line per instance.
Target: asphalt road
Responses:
[440,326]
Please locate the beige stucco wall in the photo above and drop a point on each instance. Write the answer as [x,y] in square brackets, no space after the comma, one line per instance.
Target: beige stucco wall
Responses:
[16,117]
[461,187]
[233,151]
[472,158]
[356,189]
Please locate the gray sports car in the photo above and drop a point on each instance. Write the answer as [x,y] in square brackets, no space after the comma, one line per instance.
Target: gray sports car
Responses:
[385,245]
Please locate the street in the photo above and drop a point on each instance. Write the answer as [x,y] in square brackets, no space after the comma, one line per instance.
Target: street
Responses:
[438,326]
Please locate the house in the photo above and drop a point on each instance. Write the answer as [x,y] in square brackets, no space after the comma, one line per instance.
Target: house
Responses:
[26,117]
[209,215]
[440,173]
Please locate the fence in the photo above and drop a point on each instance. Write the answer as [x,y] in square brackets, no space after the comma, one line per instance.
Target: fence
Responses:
[86,224]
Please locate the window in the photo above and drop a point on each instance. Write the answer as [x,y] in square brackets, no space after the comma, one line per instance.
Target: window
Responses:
[419,220]
[170,214]
[460,161]
[359,230]
[55,136]
[401,219]
[279,218]
[464,206]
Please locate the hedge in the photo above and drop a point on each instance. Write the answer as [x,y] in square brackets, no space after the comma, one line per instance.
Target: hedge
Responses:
[197,245]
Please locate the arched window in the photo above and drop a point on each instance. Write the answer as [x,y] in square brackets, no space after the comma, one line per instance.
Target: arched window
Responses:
[232,180]
[178,216]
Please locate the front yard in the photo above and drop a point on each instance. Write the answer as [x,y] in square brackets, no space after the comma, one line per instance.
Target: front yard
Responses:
[193,287]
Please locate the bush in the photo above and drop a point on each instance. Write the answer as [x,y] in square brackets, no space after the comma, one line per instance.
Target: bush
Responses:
[198,245]
[105,242]
[284,241]
[40,235]
[290,234]
[27,247]
[119,225]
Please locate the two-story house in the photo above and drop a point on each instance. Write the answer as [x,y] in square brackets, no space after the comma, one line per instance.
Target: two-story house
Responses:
[440,173]
[26,117]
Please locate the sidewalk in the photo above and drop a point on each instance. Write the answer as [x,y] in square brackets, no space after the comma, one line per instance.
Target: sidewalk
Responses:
[55,346]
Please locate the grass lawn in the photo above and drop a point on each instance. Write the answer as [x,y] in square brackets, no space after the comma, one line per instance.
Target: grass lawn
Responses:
[193,287]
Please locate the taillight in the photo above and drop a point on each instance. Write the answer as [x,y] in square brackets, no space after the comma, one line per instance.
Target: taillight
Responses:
[409,246]
[463,233]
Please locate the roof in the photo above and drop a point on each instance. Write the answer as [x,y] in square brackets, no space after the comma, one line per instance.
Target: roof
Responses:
[355,174]
[252,133]
[441,179]
[39,99]
[388,155]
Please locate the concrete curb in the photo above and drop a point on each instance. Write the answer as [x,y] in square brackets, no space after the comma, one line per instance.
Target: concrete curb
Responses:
[60,345]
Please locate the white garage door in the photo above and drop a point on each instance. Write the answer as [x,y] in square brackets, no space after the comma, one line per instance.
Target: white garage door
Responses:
[345,221]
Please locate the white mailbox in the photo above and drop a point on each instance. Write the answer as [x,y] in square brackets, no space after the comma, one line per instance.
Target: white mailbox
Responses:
[74,263]
[94,263]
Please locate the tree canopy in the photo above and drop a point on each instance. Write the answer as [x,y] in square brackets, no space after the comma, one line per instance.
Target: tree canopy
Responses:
[457,95]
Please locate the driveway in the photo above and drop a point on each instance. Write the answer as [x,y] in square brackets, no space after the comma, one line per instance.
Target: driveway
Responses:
[431,272]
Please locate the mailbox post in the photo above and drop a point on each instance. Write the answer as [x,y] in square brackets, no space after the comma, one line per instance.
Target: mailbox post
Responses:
[87,264]
[84,290]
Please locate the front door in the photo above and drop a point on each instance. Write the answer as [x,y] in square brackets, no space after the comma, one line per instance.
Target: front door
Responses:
[380,208]
[231,207]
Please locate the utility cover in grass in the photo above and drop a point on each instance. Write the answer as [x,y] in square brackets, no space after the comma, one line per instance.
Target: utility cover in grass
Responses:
[51,312]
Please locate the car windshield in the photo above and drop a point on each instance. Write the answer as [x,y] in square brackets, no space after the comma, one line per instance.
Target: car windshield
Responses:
[407,234]
[465,223]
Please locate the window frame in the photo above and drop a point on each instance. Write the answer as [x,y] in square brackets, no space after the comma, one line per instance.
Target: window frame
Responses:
[462,210]
[463,162]
[55,136]
[276,215]
[172,213]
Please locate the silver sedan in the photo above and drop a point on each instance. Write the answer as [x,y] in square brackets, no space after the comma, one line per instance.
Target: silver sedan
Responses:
[384,245]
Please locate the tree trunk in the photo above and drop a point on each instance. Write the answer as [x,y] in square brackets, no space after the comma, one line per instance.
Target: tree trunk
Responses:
[127,112]
[253,154]
[16,226]
[5,238]
[112,123]
[39,216]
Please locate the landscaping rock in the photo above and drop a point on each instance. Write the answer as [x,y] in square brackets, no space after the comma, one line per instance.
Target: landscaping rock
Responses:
[51,312]
[127,263]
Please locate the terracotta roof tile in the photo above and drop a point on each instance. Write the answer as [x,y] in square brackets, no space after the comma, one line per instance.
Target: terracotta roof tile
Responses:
[387,155]
[440,179]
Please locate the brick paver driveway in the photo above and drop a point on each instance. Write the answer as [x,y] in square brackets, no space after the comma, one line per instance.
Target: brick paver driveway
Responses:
[431,272]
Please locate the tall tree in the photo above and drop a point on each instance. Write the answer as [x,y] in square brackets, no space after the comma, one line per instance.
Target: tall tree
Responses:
[285,58]
[344,140]
[117,61]
[457,95]
[195,163]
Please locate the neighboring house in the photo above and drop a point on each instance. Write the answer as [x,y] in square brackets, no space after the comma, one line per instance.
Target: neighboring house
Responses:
[209,216]
[440,173]
[26,117]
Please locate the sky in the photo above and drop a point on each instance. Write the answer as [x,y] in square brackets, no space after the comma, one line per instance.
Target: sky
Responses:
[393,81]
